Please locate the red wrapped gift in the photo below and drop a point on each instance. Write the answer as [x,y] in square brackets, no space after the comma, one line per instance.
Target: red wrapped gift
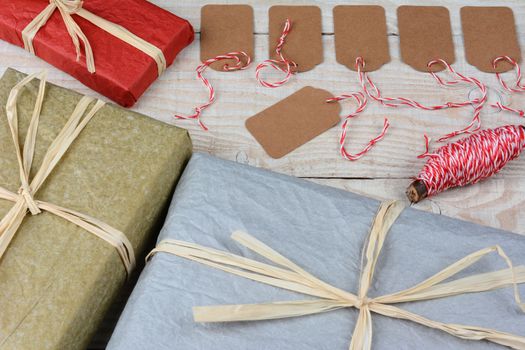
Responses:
[121,46]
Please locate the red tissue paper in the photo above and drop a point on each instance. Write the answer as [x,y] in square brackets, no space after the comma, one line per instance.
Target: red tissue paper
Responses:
[123,72]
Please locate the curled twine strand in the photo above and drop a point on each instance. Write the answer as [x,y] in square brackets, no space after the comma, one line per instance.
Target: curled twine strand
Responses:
[373,92]
[518,86]
[361,101]
[282,64]
[240,64]
[471,159]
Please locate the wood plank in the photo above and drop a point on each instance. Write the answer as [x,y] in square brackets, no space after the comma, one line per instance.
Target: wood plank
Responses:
[497,202]
[191,10]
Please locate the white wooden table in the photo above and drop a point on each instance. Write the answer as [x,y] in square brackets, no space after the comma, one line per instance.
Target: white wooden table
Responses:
[386,171]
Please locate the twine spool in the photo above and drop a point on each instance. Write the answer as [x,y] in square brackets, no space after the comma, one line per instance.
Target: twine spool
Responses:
[467,161]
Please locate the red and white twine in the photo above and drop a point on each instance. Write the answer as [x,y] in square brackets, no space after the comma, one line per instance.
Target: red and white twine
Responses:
[471,159]
[361,101]
[373,92]
[282,64]
[242,61]
[518,86]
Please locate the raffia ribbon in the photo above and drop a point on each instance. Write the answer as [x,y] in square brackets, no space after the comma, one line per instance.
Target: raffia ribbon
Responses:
[288,275]
[67,8]
[24,200]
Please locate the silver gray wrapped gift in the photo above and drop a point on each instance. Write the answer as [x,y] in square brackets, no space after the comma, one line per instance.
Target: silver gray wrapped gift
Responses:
[323,230]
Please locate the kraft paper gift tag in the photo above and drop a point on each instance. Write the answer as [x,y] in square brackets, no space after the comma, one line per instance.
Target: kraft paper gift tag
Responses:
[360,31]
[425,34]
[489,32]
[304,44]
[294,121]
[225,29]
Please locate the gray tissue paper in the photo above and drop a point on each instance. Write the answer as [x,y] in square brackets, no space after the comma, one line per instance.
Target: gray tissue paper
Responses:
[323,230]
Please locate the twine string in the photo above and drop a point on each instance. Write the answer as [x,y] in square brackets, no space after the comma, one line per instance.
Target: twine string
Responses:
[282,64]
[242,61]
[361,101]
[517,85]
[373,92]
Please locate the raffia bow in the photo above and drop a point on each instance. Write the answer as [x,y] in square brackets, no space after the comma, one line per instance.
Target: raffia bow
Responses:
[24,199]
[67,9]
[288,275]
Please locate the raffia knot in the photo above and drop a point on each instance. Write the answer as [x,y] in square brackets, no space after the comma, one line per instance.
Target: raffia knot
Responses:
[69,6]
[26,193]
[363,302]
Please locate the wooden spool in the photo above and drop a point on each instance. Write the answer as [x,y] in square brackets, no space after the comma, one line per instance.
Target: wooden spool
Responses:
[417,191]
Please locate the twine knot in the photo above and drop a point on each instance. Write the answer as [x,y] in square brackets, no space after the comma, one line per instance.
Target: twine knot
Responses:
[26,193]
[363,302]
[69,6]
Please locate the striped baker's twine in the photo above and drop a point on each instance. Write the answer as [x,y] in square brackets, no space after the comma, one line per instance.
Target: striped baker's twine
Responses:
[373,92]
[518,86]
[242,61]
[282,64]
[361,101]
[471,159]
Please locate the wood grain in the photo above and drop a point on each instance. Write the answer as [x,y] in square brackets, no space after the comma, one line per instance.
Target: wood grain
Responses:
[191,10]
[497,203]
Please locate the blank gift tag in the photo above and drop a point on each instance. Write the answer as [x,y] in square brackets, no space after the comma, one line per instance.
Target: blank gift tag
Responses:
[489,32]
[360,31]
[425,34]
[225,29]
[304,44]
[294,121]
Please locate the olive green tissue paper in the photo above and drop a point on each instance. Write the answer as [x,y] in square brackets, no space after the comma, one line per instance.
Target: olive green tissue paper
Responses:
[56,279]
